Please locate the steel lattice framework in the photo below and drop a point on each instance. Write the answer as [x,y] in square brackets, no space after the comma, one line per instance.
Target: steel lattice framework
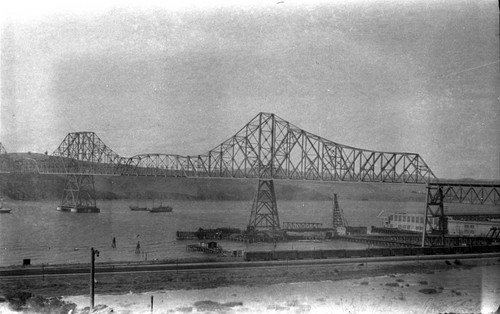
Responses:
[453,192]
[2,149]
[272,148]
[267,147]
[302,225]
[338,215]
[469,192]
[5,162]
[79,192]
[86,153]
[264,213]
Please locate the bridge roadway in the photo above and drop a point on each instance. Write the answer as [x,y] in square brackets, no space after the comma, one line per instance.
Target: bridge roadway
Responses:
[32,272]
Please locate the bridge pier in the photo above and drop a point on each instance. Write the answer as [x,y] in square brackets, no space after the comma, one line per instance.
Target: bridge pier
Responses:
[79,194]
[264,214]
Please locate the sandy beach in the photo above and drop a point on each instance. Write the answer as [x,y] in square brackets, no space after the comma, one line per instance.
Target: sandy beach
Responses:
[474,290]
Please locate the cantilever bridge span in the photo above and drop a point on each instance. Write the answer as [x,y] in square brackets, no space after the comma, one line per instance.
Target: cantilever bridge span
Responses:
[266,148]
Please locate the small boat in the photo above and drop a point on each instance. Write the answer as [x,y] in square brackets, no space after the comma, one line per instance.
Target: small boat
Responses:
[78,209]
[4,210]
[137,208]
[160,209]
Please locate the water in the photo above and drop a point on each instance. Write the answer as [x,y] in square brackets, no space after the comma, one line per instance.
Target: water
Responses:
[36,230]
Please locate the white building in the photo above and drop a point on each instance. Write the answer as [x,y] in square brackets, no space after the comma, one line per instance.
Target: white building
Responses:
[411,222]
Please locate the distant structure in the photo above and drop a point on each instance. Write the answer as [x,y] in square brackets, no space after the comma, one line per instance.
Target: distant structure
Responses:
[2,149]
[5,162]
[338,216]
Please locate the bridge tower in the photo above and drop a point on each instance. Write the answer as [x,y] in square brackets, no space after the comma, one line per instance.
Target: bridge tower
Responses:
[474,193]
[264,214]
[5,164]
[2,149]
[79,193]
[434,208]
[83,154]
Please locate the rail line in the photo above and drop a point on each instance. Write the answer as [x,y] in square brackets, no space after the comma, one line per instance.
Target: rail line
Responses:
[109,269]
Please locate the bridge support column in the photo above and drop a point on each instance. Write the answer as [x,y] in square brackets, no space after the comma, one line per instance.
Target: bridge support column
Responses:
[264,214]
[434,208]
[338,215]
[79,193]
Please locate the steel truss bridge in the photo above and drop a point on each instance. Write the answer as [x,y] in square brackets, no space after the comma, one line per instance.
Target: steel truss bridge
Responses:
[266,148]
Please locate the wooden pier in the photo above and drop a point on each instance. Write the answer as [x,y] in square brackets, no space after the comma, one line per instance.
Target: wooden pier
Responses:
[376,241]
[409,240]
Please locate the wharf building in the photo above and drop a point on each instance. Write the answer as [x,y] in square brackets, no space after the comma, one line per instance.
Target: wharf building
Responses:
[457,225]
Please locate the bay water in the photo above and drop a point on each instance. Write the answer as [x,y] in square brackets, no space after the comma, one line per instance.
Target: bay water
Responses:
[36,230]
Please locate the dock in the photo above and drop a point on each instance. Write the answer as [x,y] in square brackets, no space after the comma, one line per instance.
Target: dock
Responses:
[204,249]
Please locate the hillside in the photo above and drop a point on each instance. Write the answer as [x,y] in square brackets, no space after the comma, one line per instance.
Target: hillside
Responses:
[48,187]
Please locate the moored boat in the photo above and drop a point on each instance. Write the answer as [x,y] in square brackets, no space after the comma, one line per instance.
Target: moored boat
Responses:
[161,209]
[78,209]
[4,210]
[138,208]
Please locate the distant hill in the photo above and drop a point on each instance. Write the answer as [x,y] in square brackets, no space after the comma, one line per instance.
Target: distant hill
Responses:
[36,156]
[35,187]
[40,187]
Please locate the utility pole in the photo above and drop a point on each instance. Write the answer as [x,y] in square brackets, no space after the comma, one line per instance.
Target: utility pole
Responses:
[92,271]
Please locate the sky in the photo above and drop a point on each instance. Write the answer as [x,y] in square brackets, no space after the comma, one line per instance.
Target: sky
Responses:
[182,77]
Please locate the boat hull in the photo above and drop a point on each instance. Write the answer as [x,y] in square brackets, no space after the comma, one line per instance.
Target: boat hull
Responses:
[163,209]
[79,209]
[135,208]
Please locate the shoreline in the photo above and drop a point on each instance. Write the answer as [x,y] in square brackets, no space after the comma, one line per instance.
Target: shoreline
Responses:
[392,293]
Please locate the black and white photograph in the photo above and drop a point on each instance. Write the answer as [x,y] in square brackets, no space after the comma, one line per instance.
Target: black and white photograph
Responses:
[267,156]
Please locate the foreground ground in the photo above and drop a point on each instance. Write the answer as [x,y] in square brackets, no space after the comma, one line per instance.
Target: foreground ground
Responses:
[456,286]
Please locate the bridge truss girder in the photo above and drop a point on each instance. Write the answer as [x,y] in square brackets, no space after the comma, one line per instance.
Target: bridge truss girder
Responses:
[302,225]
[267,147]
[452,192]
[272,148]
[83,153]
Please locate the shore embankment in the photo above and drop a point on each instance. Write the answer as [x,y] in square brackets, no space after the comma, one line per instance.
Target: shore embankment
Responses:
[451,284]
[73,279]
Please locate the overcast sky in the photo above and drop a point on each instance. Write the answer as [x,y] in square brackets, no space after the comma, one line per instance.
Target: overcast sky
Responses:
[398,76]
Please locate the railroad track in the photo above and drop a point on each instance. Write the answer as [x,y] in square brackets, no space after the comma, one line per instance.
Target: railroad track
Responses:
[83,270]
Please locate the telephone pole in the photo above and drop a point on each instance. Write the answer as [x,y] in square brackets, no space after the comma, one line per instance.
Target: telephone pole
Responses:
[92,272]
